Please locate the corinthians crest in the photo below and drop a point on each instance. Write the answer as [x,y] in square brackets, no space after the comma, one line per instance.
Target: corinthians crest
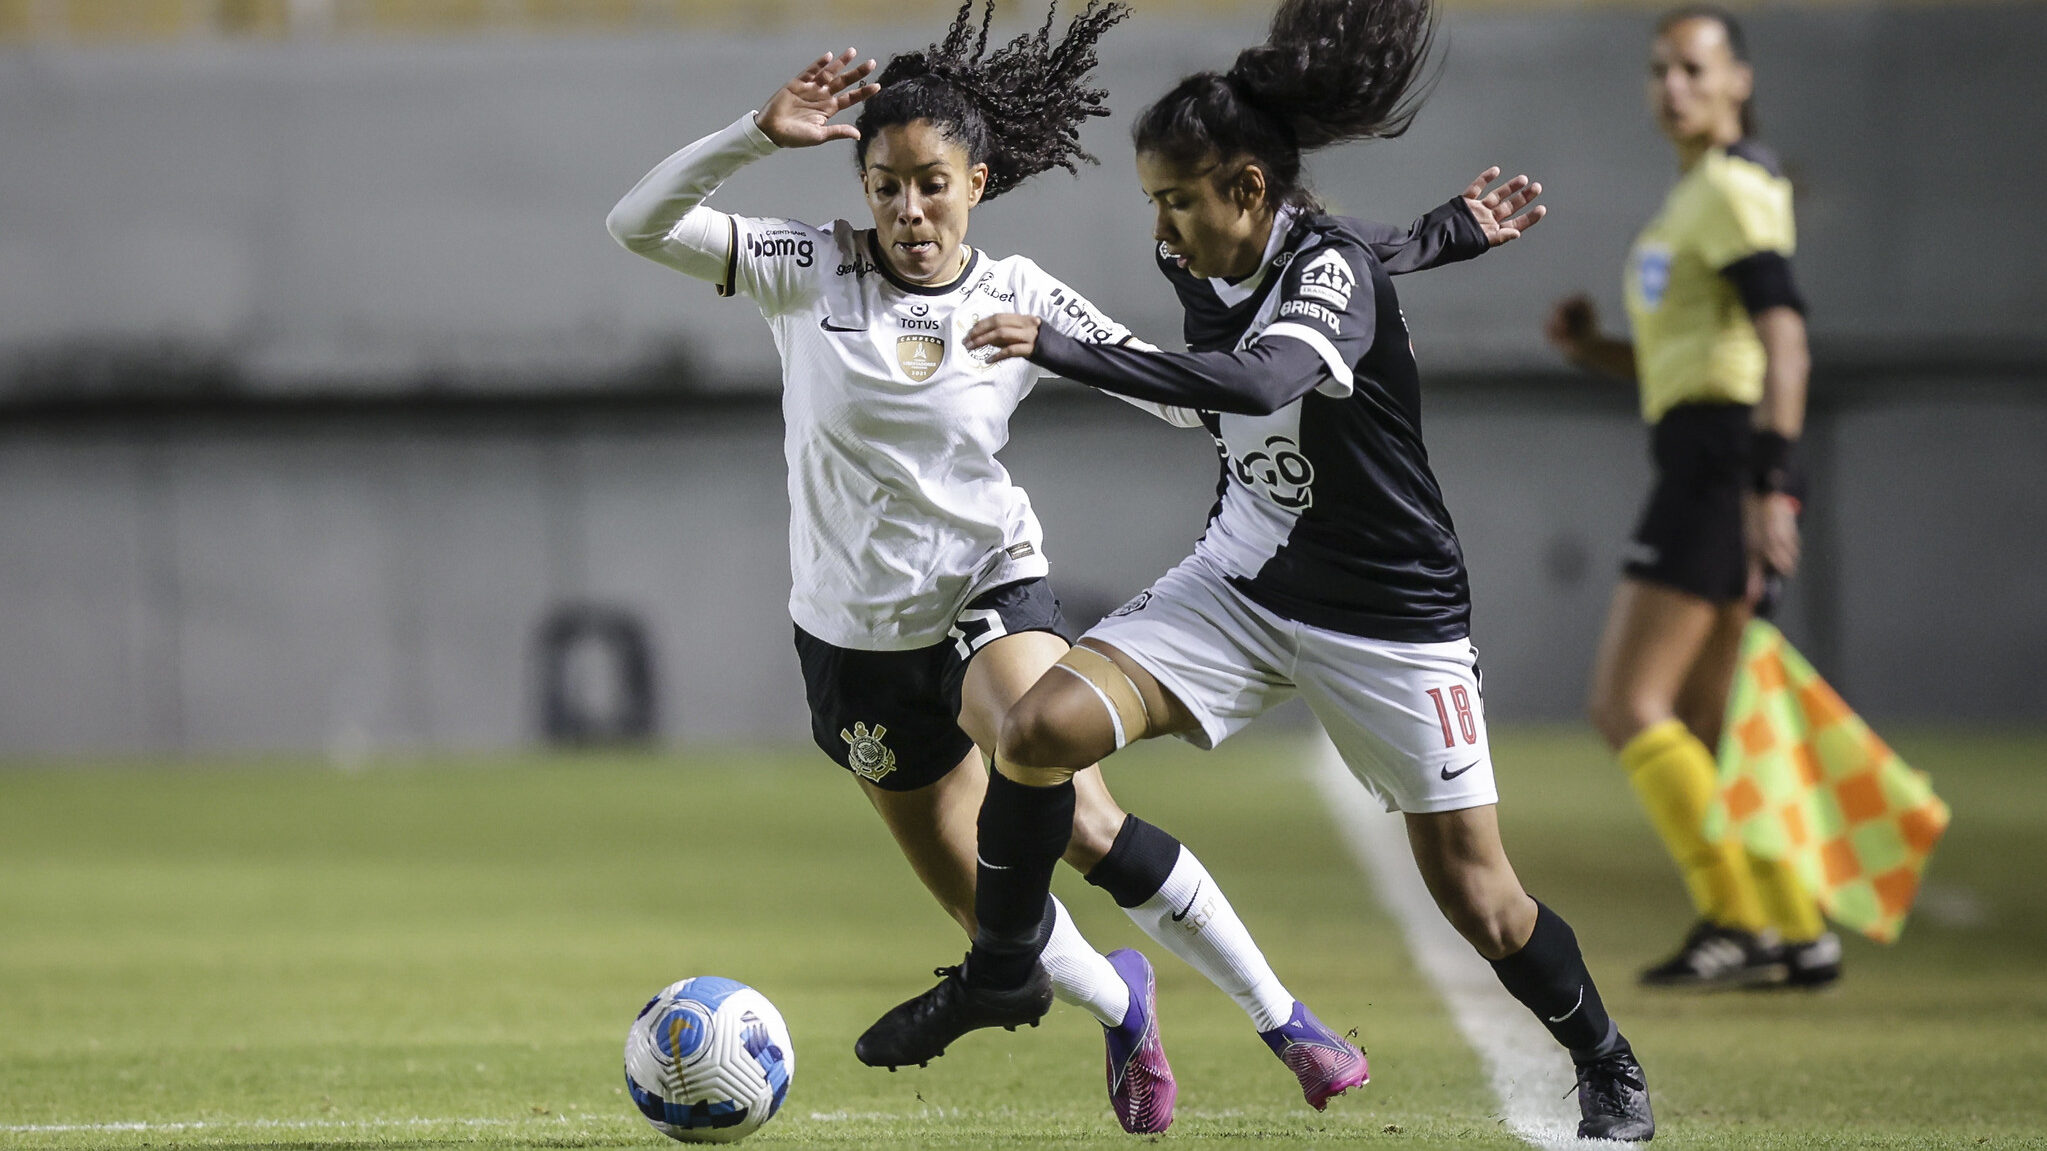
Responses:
[920,355]
[869,758]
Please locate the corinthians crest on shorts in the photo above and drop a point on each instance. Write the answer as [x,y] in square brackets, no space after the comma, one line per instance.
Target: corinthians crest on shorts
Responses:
[919,355]
[869,758]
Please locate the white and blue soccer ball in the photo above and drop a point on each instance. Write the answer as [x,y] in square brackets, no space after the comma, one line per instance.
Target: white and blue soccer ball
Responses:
[708,1060]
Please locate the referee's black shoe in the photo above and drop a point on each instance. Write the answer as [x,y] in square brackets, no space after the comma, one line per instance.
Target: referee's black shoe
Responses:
[1613,1099]
[1716,956]
[1812,965]
[918,1030]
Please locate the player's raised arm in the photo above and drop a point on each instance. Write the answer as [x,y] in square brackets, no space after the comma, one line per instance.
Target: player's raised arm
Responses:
[1464,227]
[799,114]
[663,219]
[1505,212]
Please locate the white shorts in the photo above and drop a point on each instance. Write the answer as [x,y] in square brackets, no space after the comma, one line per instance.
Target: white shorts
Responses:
[1406,717]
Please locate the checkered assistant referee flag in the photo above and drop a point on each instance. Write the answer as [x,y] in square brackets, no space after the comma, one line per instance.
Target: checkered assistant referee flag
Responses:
[1804,780]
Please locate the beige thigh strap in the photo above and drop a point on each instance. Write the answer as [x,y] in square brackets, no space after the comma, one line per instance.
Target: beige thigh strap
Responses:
[1127,713]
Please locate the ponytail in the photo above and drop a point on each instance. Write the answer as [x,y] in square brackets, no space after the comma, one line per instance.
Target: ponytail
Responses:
[1329,71]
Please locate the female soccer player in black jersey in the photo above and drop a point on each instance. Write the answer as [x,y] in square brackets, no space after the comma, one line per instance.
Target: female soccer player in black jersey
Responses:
[920,593]
[1329,568]
[1719,352]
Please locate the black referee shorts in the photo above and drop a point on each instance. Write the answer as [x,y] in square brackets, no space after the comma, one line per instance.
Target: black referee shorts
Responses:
[1690,536]
[892,717]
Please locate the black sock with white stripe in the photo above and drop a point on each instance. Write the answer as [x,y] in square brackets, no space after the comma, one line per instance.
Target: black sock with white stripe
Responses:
[1548,976]
[1023,832]
[1138,863]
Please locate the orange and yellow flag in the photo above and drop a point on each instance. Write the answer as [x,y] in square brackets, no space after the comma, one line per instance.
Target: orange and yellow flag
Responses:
[1804,780]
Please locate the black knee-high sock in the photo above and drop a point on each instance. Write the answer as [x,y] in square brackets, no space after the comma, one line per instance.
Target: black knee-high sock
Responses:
[1138,863]
[1024,831]
[1548,976]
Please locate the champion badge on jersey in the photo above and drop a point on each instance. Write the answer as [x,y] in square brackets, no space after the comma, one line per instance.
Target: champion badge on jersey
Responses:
[919,355]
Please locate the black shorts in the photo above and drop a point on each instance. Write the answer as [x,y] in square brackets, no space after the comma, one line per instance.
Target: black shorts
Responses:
[1690,534]
[892,717]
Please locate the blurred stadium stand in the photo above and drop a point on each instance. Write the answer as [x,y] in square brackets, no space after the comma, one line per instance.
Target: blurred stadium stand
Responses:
[99,21]
[321,385]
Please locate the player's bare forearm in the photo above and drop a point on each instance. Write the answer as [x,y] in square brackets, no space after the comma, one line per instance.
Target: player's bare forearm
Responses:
[1787,369]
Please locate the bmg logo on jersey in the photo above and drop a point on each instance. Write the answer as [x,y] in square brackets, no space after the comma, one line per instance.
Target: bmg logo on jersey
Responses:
[1328,278]
[1280,471]
[781,244]
[1086,324]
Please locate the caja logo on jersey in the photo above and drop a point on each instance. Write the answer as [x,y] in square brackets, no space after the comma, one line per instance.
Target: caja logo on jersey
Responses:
[1280,471]
[1328,278]
[782,244]
[920,355]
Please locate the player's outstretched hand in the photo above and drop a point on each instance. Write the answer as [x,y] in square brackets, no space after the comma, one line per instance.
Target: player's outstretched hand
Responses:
[1505,212]
[1011,335]
[798,114]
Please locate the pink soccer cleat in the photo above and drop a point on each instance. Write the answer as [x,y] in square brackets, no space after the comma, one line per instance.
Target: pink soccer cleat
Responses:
[1141,1086]
[1326,1063]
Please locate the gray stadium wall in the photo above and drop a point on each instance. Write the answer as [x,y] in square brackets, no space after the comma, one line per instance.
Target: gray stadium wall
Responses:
[377,579]
[517,415]
[361,214]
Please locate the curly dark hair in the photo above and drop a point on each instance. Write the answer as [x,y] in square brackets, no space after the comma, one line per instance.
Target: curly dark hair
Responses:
[1329,71]
[1019,111]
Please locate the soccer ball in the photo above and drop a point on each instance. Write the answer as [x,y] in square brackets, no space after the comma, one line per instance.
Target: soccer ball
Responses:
[708,1060]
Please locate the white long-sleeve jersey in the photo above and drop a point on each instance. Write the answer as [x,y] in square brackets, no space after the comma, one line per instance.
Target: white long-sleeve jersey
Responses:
[899,511]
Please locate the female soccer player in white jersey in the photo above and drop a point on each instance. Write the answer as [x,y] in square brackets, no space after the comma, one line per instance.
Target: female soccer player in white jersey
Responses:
[920,598]
[1329,569]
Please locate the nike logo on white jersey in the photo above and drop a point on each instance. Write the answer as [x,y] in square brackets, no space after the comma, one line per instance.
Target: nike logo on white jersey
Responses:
[825,322]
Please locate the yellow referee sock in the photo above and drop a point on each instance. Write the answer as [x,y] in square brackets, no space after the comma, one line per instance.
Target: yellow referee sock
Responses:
[1675,776]
[1786,904]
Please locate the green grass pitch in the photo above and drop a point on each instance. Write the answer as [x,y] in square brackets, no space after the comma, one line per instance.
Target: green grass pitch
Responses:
[445,953]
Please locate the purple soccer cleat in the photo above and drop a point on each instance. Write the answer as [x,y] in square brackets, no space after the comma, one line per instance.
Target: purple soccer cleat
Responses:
[1326,1063]
[1141,1086]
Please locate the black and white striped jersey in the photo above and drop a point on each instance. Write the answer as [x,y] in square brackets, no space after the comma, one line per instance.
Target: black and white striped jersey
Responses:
[1327,512]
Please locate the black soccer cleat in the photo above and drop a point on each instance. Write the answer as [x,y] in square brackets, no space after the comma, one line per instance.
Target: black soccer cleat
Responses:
[1813,964]
[1613,1100]
[919,1030]
[1715,956]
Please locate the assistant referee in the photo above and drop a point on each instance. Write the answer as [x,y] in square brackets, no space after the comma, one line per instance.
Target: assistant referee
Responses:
[1719,353]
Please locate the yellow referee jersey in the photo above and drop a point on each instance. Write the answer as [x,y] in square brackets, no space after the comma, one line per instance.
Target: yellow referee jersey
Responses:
[1693,338]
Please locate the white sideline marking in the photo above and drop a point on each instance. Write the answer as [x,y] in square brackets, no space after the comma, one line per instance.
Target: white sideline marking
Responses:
[1531,1075]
